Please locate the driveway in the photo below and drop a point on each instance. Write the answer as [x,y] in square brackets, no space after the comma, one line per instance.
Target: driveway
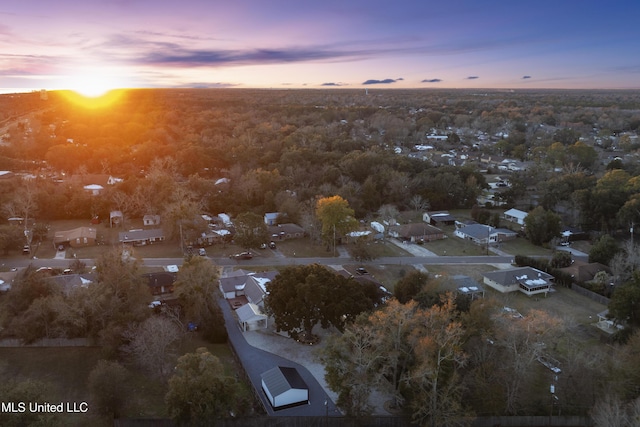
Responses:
[256,362]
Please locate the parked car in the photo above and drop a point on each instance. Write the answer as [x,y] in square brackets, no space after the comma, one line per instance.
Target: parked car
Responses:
[242,255]
[202,252]
[361,271]
[272,245]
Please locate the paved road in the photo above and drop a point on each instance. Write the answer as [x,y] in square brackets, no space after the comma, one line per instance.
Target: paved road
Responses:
[256,362]
[408,260]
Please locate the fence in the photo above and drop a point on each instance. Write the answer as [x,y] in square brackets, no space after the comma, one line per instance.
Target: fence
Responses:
[522,421]
[590,294]
[47,342]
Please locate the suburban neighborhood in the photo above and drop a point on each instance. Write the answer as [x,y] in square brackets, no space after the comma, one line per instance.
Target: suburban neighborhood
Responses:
[321,256]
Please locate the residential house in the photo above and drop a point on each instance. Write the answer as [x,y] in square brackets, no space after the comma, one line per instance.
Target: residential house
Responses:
[527,280]
[68,282]
[582,272]
[468,286]
[285,231]
[141,237]
[160,283]
[116,218]
[76,238]
[151,220]
[248,284]
[515,215]
[271,218]
[481,234]
[438,218]
[93,189]
[416,232]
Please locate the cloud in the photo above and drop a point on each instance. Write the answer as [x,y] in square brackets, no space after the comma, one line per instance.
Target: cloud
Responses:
[399,79]
[207,85]
[331,84]
[472,77]
[526,77]
[183,57]
[377,82]
[431,81]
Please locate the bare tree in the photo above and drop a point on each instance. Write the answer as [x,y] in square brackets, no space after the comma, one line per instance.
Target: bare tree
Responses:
[418,203]
[351,361]
[151,344]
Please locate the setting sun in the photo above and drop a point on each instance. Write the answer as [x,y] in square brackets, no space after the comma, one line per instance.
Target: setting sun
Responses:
[94,88]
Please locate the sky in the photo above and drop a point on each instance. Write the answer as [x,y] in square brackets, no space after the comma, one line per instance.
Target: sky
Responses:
[94,45]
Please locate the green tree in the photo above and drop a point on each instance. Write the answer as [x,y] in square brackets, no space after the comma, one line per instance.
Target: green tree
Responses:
[410,286]
[541,225]
[11,238]
[200,392]
[198,293]
[560,259]
[107,385]
[302,296]
[336,217]
[625,301]
[26,391]
[251,231]
[603,250]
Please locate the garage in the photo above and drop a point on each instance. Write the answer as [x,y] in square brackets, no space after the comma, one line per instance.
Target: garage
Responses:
[284,387]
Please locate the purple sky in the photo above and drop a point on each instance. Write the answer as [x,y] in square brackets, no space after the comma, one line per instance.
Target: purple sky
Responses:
[90,44]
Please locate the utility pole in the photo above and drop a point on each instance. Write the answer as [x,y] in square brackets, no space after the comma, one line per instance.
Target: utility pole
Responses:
[334,240]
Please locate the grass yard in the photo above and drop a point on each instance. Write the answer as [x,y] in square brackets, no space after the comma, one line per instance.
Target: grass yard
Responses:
[455,246]
[65,371]
[303,248]
[521,246]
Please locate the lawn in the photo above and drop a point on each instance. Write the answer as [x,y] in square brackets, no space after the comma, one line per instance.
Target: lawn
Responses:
[65,370]
[521,246]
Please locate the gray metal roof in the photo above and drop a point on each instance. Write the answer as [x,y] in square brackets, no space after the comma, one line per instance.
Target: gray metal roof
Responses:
[282,379]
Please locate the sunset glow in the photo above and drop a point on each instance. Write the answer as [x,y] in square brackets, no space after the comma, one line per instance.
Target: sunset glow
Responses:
[329,44]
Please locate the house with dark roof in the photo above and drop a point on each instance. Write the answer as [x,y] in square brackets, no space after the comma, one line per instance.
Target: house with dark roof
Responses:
[284,388]
[141,237]
[481,234]
[528,280]
[582,272]
[416,232]
[468,286]
[248,284]
[160,283]
[438,218]
[285,231]
[76,238]
[67,283]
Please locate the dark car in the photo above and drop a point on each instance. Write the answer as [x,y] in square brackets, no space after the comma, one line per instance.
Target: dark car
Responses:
[361,271]
[272,245]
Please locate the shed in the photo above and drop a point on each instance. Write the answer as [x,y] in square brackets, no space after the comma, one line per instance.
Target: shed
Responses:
[251,318]
[284,387]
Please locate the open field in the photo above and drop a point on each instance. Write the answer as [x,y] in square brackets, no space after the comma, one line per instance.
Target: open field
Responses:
[65,370]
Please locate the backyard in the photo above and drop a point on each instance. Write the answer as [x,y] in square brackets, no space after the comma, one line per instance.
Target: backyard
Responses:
[65,370]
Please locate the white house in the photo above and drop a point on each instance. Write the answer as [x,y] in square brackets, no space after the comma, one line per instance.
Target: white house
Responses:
[515,215]
[528,280]
[481,234]
[251,317]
